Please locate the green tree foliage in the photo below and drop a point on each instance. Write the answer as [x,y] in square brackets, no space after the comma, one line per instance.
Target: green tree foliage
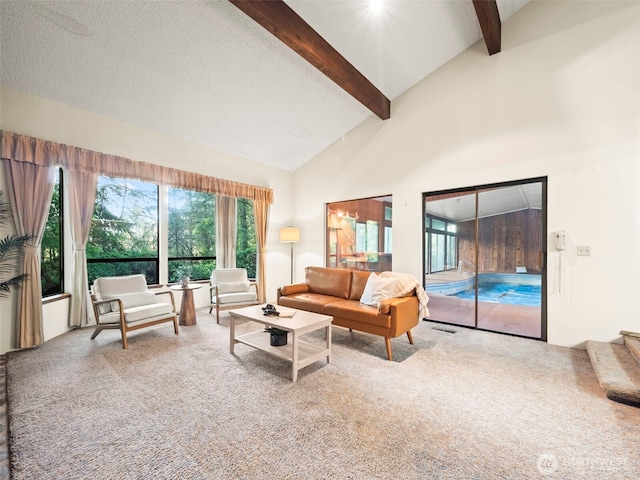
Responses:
[246,241]
[192,231]
[51,246]
[124,225]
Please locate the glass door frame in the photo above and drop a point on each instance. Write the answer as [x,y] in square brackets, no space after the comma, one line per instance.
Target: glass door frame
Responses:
[477,189]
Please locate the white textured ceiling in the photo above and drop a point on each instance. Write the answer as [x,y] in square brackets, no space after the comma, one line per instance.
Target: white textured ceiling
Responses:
[205,72]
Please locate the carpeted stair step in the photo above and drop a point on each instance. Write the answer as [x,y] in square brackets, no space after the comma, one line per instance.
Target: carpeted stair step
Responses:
[633,345]
[617,371]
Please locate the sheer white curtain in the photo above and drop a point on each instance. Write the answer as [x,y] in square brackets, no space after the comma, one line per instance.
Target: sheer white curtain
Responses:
[30,190]
[82,195]
[226,231]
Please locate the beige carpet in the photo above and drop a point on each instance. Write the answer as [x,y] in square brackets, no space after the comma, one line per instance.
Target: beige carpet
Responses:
[453,406]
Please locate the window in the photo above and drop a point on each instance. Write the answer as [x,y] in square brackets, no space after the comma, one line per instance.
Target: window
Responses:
[359,234]
[52,271]
[124,231]
[246,250]
[192,229]
[441,244]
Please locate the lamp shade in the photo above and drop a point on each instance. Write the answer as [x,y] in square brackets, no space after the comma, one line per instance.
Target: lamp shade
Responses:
[290,234]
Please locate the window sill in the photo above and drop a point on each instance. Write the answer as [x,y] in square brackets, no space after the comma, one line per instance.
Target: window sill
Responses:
[55,298]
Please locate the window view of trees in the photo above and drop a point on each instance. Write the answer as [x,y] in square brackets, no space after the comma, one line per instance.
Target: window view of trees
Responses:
[51,245]
[246,241]
[192,228]
[124,231]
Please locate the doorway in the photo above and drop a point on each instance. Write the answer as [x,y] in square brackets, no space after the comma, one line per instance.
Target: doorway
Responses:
[485,257]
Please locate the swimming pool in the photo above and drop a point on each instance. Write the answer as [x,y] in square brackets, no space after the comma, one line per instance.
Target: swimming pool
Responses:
[515,289]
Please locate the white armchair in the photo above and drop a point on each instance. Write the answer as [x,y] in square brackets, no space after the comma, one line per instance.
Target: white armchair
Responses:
[231,288]
[125,303]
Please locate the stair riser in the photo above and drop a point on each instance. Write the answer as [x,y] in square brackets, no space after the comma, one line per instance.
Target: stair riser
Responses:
[633,345]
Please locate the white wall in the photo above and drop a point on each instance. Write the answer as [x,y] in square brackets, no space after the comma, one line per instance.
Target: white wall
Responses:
[561,100]
[39,117]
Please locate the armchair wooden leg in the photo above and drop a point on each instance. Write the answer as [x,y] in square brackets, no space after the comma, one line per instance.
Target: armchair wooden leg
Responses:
[410,337]
[175,324]
[96,331]
[217,313]
[210,308]
[124,339]
[387,340]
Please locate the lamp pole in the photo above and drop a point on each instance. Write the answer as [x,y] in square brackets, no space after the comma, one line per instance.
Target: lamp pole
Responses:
[291,243]
[290,235]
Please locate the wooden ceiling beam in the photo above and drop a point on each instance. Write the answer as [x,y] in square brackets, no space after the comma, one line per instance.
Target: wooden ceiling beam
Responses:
[279,19]
[489,18]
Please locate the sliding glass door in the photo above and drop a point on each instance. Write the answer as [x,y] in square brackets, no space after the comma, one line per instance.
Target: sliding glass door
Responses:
[450,257]
[484,257]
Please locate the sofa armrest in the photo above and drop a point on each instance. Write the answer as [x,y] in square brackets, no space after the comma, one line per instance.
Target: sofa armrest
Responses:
[404,314]
[385,305]
[292,289]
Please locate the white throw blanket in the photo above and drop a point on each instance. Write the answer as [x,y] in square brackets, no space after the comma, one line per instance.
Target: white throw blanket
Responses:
[405,283]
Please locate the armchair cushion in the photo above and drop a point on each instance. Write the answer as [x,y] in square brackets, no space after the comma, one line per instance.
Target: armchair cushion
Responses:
[130,300]
[233,287]
[142,312]
[237,297]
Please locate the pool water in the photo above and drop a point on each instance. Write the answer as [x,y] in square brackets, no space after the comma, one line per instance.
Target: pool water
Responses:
[528,295]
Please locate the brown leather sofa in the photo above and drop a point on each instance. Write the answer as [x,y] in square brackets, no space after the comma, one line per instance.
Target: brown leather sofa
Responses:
[337,292]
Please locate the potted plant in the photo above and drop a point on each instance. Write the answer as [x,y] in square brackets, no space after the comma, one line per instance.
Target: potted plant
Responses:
[184,276]
[10,252]
[278,336]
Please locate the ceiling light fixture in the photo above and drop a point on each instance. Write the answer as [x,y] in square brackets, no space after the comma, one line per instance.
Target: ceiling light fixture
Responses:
[375,5]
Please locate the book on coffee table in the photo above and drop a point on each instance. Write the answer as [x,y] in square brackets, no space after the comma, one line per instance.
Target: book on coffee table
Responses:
[286,313]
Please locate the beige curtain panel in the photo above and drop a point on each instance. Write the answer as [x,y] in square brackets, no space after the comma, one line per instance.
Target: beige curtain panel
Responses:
[28,149]
[261,220]
[226,231]
[30,190]
[82,196]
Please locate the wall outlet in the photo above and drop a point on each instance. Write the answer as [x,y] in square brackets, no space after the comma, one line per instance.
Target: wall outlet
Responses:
[584,251]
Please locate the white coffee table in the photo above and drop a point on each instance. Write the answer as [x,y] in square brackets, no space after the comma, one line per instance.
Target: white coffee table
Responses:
[297,351]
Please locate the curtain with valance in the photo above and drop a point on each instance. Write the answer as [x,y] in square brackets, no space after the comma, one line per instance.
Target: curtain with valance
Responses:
[24,148]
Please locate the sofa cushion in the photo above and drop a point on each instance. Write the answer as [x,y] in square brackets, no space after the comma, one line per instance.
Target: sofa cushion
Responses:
[377,289]
[356,311]
[358,282]
[130,300]
[328,281]
[312,302]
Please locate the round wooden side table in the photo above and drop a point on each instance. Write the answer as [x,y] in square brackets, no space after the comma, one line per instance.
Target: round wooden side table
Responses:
[187,308]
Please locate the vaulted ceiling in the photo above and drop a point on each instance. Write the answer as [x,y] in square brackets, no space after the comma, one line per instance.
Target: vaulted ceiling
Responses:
[207,72]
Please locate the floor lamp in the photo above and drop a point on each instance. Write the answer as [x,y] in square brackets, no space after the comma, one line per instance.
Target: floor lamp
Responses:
[290,235]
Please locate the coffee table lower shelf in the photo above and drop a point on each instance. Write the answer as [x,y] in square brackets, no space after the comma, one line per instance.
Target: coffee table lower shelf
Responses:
[307,352]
